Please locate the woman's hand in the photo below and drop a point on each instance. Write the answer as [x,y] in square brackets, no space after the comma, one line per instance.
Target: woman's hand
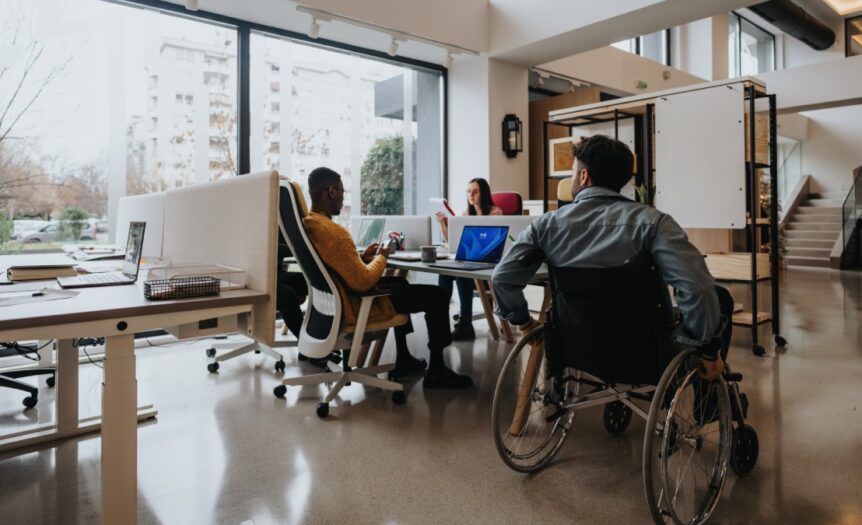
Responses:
[441,218]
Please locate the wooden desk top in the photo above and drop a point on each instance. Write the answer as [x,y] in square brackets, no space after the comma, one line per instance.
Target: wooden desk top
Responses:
[104,302]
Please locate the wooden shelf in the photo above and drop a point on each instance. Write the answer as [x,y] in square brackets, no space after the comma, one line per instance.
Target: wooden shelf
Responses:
[736,267]
[744,318]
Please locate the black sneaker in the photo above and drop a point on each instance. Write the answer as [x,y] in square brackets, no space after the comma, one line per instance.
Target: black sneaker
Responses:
[446,379]
[411,365]
[463,332]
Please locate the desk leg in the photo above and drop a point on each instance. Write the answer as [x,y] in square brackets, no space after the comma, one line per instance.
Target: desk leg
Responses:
[486,306]
[119,432]
[67,387]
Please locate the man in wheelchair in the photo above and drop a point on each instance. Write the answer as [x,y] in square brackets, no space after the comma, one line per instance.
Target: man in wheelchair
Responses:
[612,337]
[601,228]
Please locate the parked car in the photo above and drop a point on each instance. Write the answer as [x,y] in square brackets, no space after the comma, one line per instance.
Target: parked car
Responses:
[22,227]
[51,232]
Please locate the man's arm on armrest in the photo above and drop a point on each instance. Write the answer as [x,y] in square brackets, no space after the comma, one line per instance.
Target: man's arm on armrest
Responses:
[682,267]
[512,275]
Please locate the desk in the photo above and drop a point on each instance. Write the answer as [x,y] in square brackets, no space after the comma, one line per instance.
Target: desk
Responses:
[482,278]
[117,313]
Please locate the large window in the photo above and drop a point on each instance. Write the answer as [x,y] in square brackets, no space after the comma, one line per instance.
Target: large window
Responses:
[853,36]
[655,46]
[752,49]
[99,100]
[377,123]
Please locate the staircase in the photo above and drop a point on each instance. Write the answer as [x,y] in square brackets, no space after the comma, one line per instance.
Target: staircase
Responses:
[813,229]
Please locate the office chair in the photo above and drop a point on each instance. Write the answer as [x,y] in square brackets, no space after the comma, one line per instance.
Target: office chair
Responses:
[509,201]
[9,379]
[322,328]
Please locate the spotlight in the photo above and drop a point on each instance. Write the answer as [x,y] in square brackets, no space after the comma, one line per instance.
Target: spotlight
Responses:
[192,5]
[313,28]
[447,62]
[393,47]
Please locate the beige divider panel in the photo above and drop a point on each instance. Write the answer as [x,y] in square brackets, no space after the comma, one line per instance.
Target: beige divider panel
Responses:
[149,209]
[231,222]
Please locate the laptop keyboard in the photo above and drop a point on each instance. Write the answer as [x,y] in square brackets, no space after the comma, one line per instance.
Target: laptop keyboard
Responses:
[106,277]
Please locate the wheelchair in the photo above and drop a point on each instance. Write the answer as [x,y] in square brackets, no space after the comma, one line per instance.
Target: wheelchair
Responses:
[607,341]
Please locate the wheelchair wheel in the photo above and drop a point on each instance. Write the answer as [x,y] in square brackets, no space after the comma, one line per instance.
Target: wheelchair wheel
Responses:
[528,417]
[687,444]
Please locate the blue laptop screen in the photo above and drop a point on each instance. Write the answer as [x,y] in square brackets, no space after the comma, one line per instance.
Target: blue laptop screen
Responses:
[482,243]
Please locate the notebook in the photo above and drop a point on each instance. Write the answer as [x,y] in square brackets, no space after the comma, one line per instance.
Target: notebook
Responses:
[41,266]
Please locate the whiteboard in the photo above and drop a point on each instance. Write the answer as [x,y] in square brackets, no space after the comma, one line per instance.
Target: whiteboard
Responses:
[700,157]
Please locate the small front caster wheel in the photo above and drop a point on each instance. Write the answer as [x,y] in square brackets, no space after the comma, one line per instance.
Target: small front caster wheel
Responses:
[51,381]
[30,402]
[212,367]
[280,391]
[280,365]
[322,410]
[780,341]
[211,352]
[744,450]
[617,417]
[399,397]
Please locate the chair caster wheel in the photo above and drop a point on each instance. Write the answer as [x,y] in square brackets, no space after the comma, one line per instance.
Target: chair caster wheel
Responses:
[280,365]
[744,450]
[211,352]
[212,367]
[759,351]
[30,402]
[322,410]
[399,397]
[51,381]
[257,351]
[617,417]
[780,341]
[280,391]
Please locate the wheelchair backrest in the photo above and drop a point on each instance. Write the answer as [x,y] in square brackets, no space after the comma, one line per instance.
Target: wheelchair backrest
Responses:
[614,323]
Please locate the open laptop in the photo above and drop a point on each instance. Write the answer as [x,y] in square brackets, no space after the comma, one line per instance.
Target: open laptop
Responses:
[370,232]
[131,264]
[480,248]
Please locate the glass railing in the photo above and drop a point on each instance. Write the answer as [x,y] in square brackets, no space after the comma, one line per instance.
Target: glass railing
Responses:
[789,171]
[851,215]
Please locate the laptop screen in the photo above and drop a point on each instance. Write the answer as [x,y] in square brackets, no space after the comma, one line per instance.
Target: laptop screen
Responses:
[134,244]
[482,243]
[370,231]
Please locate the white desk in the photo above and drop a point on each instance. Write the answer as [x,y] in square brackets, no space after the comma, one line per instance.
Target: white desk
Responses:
[117,313]
[482,278]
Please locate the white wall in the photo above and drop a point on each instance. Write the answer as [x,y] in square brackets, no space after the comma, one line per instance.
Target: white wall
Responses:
[833,148]
[508,94]
[468,125]
[619,70]
[817,86]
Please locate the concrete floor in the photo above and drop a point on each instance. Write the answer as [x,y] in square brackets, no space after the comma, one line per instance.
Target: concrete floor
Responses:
[225,450]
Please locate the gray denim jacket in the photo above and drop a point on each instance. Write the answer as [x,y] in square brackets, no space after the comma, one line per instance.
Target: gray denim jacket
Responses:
[602,229]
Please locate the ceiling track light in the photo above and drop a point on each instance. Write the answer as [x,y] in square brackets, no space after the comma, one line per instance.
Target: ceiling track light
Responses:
[192,5]
[450,56]
[392,50]
[313,28]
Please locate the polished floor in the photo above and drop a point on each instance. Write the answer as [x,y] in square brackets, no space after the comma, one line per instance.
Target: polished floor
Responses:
[225,450]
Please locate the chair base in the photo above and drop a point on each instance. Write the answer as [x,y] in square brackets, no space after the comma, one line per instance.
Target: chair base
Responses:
[364,376]
[236,351]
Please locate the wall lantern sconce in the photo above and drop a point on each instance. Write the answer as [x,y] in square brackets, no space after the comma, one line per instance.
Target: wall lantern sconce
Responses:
[512,136]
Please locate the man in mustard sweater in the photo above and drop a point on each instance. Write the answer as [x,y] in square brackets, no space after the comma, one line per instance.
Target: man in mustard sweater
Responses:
[360,273]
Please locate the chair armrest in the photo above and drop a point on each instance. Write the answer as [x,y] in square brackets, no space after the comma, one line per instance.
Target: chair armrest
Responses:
[373,293]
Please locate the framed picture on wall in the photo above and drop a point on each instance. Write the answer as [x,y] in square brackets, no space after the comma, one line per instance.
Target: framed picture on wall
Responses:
[561,157]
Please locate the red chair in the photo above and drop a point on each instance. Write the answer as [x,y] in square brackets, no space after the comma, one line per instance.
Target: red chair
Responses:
[509,201]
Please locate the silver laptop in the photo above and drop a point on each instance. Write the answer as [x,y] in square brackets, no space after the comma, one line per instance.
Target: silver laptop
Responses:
[480,248]
[131,264]
[370,232]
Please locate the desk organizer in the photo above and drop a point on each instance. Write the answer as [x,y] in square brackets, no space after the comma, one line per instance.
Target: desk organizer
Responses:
[230,278]
[181,288]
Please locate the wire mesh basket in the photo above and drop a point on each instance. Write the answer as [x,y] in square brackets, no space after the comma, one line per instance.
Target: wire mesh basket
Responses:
[182,288]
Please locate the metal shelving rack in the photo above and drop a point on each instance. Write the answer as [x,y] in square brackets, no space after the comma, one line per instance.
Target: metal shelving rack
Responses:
[641,108]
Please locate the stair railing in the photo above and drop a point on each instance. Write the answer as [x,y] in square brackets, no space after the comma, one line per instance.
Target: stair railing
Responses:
[851,224]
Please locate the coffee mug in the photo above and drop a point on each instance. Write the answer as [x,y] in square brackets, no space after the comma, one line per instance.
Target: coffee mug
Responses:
[428,254]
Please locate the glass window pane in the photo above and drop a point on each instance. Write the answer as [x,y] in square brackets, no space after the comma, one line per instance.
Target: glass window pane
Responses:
[626,45]
[654,46]
[314,106]
[756,50]
[733,46]
[113,101]
[854,36]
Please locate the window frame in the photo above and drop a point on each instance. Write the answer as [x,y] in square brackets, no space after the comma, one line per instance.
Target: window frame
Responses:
[738,58]
[847,22]
[245,28]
